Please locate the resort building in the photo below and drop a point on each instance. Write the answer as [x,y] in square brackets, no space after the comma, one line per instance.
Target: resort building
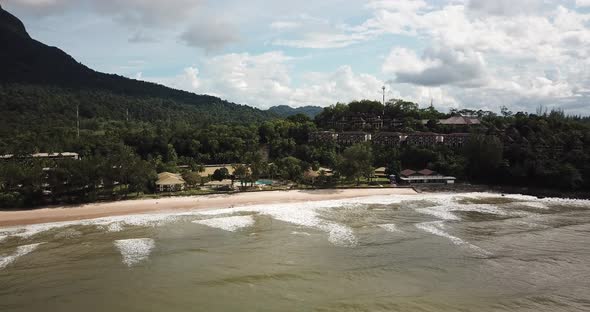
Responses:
[460,121]
[393,139]
[425,176]
[170,182]
[456,140]
[323,137]
[381,172]
[350,138]
[53,156]
[425,139]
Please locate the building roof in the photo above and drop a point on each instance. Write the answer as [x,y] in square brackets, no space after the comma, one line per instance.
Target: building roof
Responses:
[386,134]
[45,155]
[408,172]
[460,120]
[167,178]
[354,133]
[416,134]
[426,172]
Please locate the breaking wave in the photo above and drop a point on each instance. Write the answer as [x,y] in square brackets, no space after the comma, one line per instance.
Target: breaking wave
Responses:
[135,251]
[230,224]
[20,251]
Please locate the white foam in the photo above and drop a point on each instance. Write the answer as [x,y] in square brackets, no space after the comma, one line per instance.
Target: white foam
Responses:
[445,212]
[537,205]
[230,224]
[20,251]
[115,227]
[68,233]
[300,233]
[305,214]
[389,227]
[135,251]
[438,228]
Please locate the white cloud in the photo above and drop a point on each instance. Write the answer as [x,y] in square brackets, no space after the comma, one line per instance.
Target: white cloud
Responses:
[148,12]
[264,80]
[437,66]
[505,7]
[582,3]
[39,7]
[210,34]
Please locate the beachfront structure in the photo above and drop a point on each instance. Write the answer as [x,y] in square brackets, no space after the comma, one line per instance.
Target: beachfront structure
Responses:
[381,172]
[170,182]
[425,176]
[52,156]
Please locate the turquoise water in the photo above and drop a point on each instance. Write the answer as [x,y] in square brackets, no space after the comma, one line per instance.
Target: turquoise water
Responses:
[467,252]
[264,182]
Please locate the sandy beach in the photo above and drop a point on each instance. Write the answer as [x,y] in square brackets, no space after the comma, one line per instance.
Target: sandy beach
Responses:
[131,207]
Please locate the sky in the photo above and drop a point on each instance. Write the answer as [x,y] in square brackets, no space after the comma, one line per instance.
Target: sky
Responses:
[476,54]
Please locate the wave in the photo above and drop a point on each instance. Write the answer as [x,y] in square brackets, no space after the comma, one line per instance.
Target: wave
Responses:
[307,213]
[135,251]
[438,228]
[20,251]
[389,227]
[230,224]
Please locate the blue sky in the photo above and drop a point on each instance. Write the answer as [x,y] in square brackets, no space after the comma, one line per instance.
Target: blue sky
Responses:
[456,53]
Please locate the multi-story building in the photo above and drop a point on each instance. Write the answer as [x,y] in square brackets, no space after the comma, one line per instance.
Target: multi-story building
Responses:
[392,123]
[425,139]
[455,140]
[388,138]
[353,137]
[323,137]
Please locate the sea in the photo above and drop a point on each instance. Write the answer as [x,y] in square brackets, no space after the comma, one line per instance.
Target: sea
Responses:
[426,252]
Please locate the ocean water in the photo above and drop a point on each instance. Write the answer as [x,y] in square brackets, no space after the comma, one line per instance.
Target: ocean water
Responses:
[435,252]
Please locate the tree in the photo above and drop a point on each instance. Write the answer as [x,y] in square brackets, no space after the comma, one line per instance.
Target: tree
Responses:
[241,173]
[291,168]
[220,174]
[191,178]
[484,156]
[357,162]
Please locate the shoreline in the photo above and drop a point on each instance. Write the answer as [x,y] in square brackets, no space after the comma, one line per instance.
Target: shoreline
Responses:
[182,204]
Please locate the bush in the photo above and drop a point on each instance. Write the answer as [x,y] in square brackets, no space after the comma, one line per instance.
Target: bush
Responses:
[11,200]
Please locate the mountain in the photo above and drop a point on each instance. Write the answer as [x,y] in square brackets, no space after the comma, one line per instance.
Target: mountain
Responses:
[286,111]
[52,75]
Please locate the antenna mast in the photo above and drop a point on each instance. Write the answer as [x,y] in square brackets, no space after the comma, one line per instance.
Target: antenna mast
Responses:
[78,119]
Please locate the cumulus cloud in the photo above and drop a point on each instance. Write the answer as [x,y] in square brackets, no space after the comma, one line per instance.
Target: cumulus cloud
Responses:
[264,80]
[437,66]
[141,37]
[210,34]
[505,7]
[147,12]
[39,7]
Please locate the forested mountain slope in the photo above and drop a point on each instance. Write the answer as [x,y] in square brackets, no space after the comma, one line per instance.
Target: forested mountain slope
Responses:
[40,84]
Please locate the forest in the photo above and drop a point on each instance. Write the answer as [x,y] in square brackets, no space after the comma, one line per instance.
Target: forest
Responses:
[121,154]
